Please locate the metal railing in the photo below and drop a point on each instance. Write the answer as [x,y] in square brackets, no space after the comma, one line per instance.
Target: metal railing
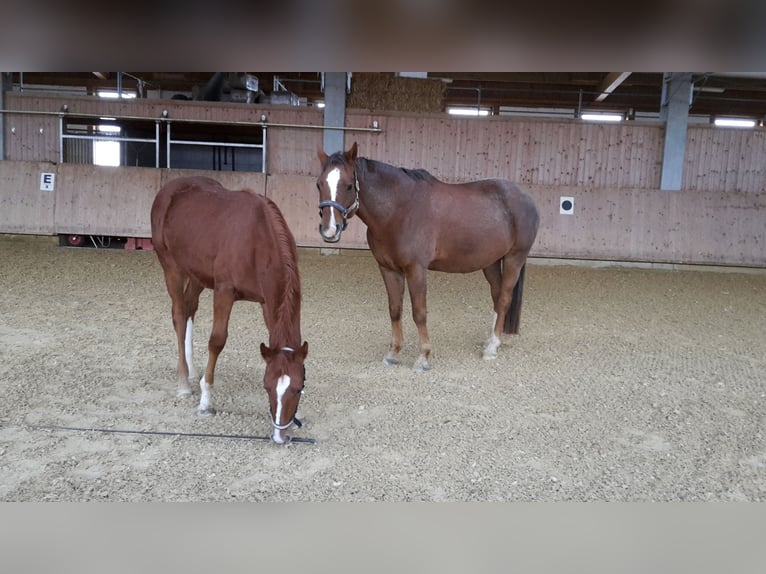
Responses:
[63,135]
[157,140]
[66,114]
[261,146]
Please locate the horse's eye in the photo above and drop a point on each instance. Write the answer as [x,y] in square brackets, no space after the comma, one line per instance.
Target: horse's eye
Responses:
[348,187]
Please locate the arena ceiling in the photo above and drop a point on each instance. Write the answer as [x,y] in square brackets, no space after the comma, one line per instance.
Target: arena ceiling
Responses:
[715,93]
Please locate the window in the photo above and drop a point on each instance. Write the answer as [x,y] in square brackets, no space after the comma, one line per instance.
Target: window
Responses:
[107,152]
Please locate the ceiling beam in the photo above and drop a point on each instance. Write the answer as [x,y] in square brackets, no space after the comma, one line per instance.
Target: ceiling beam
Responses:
[610,83]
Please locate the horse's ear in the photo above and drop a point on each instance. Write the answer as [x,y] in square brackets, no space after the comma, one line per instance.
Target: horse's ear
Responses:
[323,157]
[351,154]
[266,353]
[305,349]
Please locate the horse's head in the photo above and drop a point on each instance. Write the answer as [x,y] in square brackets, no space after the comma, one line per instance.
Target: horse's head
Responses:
[283,381]
[338,192]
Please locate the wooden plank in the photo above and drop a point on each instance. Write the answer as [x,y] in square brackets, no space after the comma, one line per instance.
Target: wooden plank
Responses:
[228,179]
[98,200]
[24,207]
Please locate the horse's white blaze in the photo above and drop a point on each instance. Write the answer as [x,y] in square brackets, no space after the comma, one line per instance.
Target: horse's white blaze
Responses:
[332,182]
[206,395]
[188,348]
[282,384]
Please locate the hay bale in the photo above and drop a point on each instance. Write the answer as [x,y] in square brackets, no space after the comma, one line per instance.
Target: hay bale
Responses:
[385,91]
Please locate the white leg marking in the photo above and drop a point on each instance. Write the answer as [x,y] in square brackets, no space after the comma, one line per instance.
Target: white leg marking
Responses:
[206,398]
[490,348]
[188,349]
[421,365]
[332,182]
[390,359]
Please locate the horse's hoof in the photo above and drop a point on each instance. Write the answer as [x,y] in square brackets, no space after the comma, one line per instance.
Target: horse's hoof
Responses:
[489,356]
[208,412]
[421,366]
[183,392]
[390,361]
[281,439]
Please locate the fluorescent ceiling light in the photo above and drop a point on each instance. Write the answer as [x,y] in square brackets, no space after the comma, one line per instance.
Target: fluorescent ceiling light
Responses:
[595,117]
[467,112]
[115,94]
[734,123]
[709,89]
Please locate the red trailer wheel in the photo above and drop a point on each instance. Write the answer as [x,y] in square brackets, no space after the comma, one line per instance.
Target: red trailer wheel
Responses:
[75,240]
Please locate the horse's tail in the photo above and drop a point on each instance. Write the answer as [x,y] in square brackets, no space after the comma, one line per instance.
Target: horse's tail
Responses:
[513,316]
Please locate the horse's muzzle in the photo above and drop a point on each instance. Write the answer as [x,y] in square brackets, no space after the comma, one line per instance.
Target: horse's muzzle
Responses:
[279,435]
[335,238]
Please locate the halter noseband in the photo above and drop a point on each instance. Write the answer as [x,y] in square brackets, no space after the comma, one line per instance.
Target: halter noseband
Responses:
[345,212]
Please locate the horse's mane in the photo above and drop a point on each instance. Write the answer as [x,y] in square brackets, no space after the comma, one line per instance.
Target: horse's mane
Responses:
[417,175]
[288,310]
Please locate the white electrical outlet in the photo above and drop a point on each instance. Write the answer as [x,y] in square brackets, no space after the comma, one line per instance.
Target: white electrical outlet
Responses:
[566,205]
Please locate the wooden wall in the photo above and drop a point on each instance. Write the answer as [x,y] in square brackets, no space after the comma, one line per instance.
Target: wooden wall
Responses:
[613,172]
[24,208]
[532,152]
[725,159]
[727,228]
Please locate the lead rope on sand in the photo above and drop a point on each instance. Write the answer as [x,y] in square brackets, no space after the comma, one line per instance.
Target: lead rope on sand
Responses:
[167,433]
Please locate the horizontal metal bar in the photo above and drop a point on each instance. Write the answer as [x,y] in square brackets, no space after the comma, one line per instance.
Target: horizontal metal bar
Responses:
[219,144]
[76,116]
[107,138]
[203,122]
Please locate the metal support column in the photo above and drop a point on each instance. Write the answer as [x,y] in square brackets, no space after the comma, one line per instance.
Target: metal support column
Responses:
[156,143]
[334,110]
[676,100]
[5,83]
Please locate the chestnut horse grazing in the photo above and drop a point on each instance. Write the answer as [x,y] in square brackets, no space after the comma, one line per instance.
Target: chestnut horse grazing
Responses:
[416,222]
[237,244]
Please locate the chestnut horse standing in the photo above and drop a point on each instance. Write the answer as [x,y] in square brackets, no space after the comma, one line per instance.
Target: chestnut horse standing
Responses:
[416,222]
[237,244]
